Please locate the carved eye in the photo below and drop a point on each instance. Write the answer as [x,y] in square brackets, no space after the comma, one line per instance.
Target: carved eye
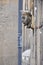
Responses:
[23,17]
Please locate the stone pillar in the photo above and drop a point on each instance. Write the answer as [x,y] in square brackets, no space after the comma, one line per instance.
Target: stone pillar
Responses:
[23,4]
[23,37]
[38,31]
[35,33]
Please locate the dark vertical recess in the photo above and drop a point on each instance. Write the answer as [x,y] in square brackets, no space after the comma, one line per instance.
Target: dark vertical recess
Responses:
[19,33]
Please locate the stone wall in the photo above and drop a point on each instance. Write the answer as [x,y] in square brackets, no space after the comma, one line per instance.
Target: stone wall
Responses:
[8,33]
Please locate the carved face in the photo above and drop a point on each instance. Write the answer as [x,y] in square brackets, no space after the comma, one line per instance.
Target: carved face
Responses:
[26,18]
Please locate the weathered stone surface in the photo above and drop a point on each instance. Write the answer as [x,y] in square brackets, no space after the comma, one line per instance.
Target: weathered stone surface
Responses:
[8,33]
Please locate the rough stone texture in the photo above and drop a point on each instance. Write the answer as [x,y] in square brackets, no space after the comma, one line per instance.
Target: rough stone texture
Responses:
[8,33]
